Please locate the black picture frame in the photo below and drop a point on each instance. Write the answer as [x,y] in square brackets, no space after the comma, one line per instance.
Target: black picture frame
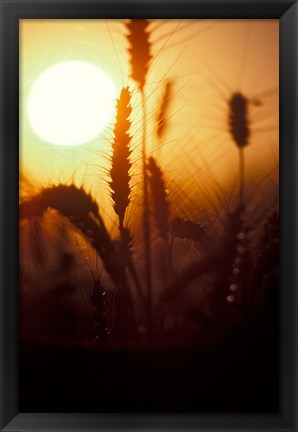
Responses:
[11,12]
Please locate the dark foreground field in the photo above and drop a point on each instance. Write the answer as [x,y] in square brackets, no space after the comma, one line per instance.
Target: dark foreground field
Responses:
[239,375]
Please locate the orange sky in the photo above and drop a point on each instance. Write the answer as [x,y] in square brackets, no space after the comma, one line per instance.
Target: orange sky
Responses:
[207,60]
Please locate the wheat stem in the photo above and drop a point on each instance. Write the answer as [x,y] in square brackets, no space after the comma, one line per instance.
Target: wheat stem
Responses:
[241,176]
[125,235]
[146,222]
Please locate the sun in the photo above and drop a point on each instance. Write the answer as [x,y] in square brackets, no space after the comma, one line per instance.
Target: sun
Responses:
[70,103]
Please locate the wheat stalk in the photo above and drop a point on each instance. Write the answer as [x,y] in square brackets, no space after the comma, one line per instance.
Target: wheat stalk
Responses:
[161,210]
[240,130]
[161,206]
[227,270]
[120,177]
[140,56]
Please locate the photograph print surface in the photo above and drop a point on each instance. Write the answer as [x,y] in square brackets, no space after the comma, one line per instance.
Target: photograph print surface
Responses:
[149,215]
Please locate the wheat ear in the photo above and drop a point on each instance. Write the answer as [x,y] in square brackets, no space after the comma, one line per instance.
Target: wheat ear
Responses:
[159,193]
[162,115]
[120,177]
[139,49]
[120,160]
[77,205]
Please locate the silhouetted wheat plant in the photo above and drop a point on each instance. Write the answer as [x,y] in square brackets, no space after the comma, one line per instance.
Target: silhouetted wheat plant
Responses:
[120,178]
[160,202]
[140,56]
[240,131]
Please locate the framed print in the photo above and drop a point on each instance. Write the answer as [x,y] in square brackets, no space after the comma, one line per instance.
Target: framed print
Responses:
[148,215]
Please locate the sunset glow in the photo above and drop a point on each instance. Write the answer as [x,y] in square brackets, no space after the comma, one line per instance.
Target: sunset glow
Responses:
[206,60]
